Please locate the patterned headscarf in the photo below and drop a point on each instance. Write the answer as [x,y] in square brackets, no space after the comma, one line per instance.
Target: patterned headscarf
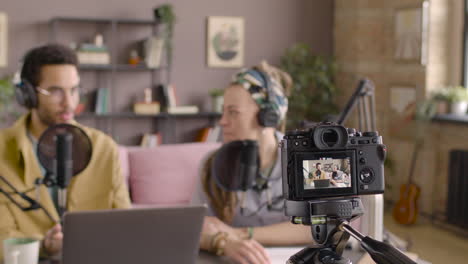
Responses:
[255,82]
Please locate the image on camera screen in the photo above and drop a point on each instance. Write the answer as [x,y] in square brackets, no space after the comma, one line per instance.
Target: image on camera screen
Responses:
[326,173]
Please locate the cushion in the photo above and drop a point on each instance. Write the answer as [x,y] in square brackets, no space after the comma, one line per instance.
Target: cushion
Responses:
[124,167]
[166,174]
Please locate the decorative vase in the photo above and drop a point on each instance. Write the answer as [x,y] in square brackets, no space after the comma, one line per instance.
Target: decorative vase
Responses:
[217,104]
[459,108]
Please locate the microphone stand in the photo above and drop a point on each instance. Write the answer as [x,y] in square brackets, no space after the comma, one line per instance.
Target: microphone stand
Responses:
[33,204]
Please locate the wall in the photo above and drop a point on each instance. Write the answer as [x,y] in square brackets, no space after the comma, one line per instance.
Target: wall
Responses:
[364,46]
[271,27]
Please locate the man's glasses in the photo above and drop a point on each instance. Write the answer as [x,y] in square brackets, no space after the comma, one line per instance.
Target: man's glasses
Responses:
[58,94]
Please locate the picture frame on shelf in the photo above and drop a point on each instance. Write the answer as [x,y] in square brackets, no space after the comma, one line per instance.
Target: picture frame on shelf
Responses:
[410,34]
[3,39]
[225,42]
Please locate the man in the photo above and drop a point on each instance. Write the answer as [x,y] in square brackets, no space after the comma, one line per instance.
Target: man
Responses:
[319,173]
[50,89]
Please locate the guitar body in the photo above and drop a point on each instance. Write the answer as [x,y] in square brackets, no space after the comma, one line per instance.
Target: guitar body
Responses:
[406,209]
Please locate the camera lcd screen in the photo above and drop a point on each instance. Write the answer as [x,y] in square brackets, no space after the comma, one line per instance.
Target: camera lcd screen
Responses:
[327,173]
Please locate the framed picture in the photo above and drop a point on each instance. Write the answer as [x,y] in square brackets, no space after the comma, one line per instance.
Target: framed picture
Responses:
[3,39]
[411,33]
[403,100]
[225,42]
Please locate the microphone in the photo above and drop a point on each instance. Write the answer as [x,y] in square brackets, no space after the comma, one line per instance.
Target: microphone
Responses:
[63,167]
[64,150]
[249,164]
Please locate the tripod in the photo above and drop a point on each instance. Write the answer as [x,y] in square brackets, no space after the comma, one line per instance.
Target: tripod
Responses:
[330,229]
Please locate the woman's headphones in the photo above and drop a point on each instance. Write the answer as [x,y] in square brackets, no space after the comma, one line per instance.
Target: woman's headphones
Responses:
[268,116]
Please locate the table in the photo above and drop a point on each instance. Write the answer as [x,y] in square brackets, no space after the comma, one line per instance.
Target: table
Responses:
[279,255]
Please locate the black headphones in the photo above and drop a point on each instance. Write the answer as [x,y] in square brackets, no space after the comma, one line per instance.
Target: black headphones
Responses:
[268,116]
[25,92]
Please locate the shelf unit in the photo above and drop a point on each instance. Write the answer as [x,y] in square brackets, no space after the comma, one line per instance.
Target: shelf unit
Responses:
[120,36]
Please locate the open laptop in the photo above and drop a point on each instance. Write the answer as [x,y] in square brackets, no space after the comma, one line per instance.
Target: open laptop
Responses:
[323,183]
[149,235]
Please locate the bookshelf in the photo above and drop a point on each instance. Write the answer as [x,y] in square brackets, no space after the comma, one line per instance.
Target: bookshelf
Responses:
[125,82]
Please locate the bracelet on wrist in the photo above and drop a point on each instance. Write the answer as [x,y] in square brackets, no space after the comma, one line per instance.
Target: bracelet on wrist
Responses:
[218,242]
[250,231]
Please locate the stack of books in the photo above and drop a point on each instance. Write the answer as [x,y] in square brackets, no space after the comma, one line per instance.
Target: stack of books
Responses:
[93,54]
[169,93]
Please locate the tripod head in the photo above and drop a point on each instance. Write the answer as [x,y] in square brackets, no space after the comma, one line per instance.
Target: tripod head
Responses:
[330,230]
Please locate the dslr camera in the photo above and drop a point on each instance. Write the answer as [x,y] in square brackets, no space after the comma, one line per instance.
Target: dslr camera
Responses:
[329,160]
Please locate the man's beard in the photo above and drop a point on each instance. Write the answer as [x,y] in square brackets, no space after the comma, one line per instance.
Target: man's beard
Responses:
[46,118]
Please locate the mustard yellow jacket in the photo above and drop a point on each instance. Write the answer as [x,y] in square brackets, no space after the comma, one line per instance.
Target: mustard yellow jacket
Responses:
[99,186]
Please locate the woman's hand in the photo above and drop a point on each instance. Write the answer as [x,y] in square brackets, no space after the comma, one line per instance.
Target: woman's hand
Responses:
[246,251]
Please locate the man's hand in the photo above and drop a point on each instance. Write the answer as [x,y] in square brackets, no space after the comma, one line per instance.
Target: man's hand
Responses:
[52,242]
[246,252]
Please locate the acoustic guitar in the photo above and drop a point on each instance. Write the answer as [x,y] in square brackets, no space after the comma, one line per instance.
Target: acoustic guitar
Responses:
[406,209]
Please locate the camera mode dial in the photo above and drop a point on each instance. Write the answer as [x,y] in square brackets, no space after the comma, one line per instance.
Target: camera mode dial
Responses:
[366,175]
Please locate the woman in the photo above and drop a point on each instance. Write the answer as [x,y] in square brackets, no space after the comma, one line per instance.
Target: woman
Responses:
[242,235]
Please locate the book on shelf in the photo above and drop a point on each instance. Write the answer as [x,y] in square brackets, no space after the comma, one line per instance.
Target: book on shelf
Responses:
[214,134]
[102,101]
[152,48]
[172,97]
[149,140]
[209,134]
[183,109]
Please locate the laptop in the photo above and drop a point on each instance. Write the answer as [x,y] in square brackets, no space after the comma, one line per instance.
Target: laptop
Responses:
[123,236]
[323,183]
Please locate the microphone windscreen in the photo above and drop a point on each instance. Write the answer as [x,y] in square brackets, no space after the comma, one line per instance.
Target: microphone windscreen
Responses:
[235,165]
[80,144]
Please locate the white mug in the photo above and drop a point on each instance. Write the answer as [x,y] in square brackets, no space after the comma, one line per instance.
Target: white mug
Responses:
[21,250]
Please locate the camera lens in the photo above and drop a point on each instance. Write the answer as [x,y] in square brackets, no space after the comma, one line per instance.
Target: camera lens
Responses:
[330,137]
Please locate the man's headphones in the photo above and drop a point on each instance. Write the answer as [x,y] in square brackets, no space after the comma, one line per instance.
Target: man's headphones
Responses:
[25,92]
[268,116]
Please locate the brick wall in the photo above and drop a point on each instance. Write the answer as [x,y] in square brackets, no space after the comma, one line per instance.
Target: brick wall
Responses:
[364,47]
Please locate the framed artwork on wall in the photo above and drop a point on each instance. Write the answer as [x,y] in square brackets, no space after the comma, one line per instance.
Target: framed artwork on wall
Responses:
[225,42]
[410,28]
[3,39]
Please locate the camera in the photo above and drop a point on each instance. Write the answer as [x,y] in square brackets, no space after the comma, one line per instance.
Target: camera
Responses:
[330,160]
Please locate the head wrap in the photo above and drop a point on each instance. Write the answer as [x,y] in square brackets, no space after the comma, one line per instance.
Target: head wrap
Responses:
[255,82]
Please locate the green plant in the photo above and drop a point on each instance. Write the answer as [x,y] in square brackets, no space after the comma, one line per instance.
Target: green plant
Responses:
[456,94]
[165,15]
[7,92]
[216,92]
[314,90]
[440,95]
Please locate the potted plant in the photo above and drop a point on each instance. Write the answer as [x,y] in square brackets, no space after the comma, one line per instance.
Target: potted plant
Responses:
[164,14]
[458,98]
[314,90]
[217,99]
[441,99]
[7,93]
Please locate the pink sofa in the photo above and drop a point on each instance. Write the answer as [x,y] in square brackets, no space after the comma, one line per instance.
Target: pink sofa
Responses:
[164,175]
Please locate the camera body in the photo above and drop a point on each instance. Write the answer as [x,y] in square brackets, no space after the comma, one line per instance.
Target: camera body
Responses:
[329,160]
